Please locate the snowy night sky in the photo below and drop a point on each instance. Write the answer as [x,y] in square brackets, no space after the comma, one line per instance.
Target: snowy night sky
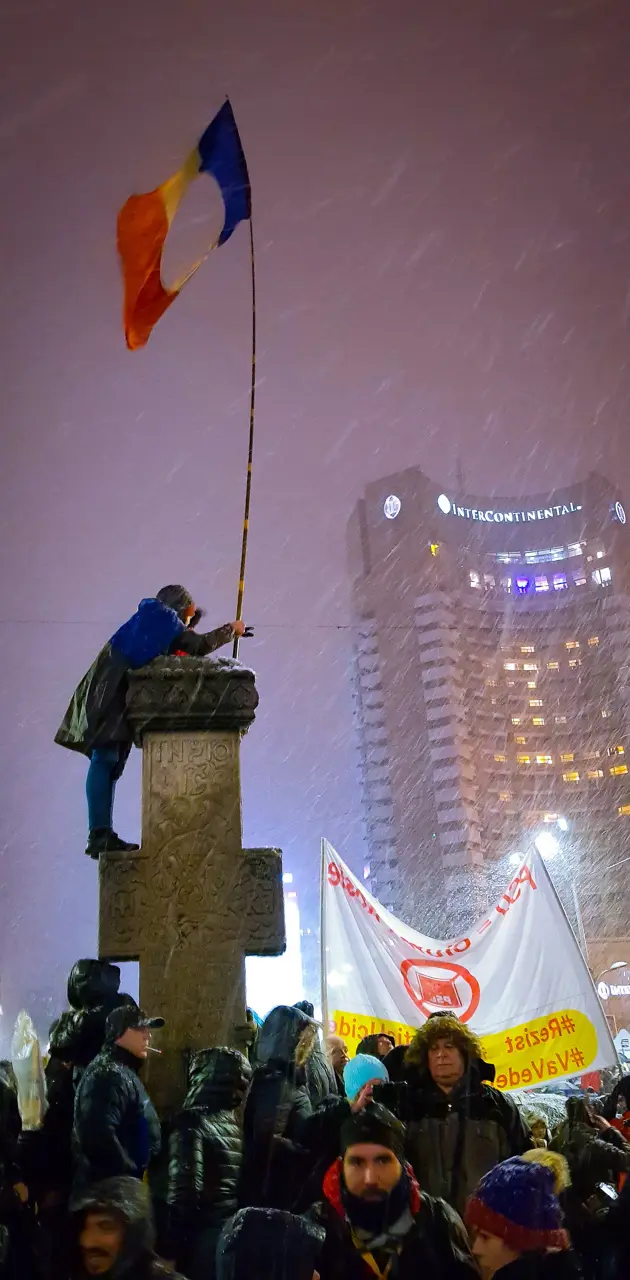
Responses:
[442,217]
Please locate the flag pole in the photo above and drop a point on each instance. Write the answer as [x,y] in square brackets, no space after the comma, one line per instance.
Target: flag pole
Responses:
[250,450]
[322,941]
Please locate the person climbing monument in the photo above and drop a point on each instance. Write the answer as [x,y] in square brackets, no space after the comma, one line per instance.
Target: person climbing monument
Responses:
[96,724]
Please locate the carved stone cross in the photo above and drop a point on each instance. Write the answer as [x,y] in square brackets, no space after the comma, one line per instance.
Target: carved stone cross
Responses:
[192,903]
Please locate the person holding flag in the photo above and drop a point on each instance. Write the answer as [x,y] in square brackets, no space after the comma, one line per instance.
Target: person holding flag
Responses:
[96,724]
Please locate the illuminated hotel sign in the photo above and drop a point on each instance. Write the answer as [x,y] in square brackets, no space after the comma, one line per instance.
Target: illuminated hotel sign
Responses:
[490,516]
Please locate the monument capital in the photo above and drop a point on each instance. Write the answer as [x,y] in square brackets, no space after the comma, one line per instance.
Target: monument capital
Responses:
[185,694]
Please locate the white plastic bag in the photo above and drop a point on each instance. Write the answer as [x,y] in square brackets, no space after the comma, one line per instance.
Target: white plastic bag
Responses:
[26,1060]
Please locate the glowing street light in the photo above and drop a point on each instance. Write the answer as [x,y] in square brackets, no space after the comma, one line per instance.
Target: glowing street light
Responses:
[563,824]
[546,844]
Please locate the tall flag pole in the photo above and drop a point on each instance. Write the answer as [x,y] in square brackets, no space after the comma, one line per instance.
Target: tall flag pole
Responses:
[250,448]
[143,225]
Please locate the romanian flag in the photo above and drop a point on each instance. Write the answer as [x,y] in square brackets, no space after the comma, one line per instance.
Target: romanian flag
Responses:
[144,221]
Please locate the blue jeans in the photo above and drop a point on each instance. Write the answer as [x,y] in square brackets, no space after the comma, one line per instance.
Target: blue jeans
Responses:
[106,766]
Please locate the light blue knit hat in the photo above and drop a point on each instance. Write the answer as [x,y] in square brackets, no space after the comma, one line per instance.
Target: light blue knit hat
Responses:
[359,1070]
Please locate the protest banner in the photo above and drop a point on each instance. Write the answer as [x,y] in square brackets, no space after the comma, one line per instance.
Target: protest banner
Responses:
[517,977]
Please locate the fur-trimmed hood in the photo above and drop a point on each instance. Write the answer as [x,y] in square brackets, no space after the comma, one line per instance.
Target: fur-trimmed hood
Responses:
[434,1029]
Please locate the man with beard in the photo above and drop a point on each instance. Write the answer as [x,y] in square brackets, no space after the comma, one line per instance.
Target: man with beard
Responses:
[377,1220]
[114,1234]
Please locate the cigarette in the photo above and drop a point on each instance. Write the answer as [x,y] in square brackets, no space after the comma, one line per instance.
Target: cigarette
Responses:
[152,1050]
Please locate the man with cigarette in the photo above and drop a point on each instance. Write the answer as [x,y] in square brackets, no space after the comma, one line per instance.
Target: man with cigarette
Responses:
[116,1128]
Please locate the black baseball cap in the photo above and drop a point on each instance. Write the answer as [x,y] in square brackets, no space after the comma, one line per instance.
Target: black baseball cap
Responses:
[127,1018]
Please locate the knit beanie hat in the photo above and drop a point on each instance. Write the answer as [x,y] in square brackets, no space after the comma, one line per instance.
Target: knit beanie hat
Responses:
[358,1071]
[375,1125]
[517,1201]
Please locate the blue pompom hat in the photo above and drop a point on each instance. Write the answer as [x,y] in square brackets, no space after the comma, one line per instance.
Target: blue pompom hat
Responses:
[516,1201]
[359,1071]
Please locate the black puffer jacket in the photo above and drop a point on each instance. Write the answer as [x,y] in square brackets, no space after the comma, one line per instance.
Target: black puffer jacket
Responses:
[206,1150]
[116,1129]
[128,1199]
[288,1143]
[93,991]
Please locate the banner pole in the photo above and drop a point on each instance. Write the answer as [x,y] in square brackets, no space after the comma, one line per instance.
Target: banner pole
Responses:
[250,450]
[322,941]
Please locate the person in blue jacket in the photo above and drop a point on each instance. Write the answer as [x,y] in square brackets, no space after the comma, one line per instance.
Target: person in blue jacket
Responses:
[96,722]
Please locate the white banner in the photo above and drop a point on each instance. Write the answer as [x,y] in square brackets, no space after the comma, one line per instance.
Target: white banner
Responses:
[518,977]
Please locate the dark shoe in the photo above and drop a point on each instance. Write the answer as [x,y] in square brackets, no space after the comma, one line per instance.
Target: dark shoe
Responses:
[102,840]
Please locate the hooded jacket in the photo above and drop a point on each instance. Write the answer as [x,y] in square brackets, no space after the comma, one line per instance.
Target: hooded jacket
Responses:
[284,1136]
[321,1081]
[116,1128]
[206,1149]
[129,1200]
[96,716]
[432,1238]
[454,1139]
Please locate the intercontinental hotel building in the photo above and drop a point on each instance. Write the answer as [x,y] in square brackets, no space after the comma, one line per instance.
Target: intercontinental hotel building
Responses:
[492,697]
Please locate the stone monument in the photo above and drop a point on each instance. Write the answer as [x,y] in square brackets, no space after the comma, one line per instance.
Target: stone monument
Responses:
[192,903]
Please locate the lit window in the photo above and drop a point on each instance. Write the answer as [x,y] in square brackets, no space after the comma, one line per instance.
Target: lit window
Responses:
[600,555]
[538,720]
[575,662]
[520,740]
[516,719]
[531,684]
[574,548]
[544,759]
[616,751]
[500,758]
[591,755]
[571,644]
[541,583]
[560,719]
[617,769]
[579,579]
[530,666]
[567,757]
[593,640]
[601,576]
[510,666]
[623,809]
[535,702]
[523,759]
[571,777]
[559,581]
[504,795]
[605,714]
[527,648]
[553,666]
[550,817]
[434,548]
[510,683]
[595,773]
[522,586]
[506,583]
[489,580]
[475,580]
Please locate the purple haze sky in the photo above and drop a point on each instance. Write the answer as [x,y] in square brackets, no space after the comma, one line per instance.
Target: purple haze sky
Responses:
[442,217]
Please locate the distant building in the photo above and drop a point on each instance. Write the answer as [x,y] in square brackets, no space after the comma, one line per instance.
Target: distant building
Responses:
[492,695]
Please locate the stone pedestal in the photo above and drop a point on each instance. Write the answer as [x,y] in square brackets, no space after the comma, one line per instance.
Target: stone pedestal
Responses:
[192,903]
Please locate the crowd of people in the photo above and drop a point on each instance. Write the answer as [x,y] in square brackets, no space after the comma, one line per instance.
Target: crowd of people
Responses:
[297,1161]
